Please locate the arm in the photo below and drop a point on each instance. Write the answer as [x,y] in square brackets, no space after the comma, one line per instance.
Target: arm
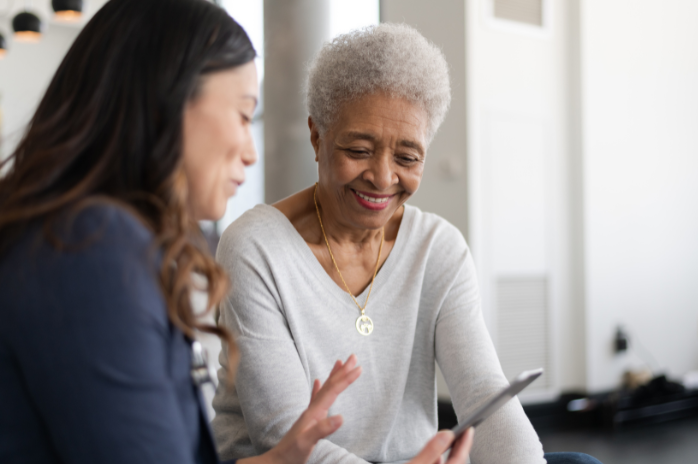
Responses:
[97,363]
[296,446]
[472,371]
[271,384]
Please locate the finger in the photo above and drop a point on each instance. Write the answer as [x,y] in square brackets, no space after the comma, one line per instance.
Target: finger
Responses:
[322,429]
[335,385]
[339,380]
[322,399]
[461,448]
[317,384]
[341,372]
[337,366]
[316,388]
[440,460]
[348,365]
[351,362]
[435,448]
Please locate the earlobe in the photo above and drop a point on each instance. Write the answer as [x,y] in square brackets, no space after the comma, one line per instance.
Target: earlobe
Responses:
[314,137]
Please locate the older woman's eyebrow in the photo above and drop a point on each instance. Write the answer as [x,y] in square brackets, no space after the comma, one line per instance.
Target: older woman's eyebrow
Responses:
[360,136]
[413,145]
[372,138]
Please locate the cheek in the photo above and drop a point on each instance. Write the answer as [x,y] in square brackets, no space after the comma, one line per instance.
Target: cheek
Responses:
[343,169]
[207,165]
[411,178]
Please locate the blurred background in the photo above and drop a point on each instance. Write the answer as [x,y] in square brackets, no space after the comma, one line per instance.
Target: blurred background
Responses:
[569,160]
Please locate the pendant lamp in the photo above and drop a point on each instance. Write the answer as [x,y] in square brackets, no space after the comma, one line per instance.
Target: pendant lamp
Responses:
[3,46]
[67,10]
[27,27]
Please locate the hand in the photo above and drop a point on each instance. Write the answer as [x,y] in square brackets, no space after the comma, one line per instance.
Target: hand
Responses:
[313,425]
[437,446]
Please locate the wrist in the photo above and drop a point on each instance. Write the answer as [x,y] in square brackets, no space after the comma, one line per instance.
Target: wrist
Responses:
[266,458]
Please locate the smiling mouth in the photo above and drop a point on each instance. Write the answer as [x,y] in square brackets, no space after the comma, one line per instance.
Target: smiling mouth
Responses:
[377,200]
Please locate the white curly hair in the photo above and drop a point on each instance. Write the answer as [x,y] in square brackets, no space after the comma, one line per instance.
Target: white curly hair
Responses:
[391,58]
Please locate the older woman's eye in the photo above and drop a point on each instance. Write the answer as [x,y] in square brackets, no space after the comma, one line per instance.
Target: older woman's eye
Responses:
[358,152]
[407,159]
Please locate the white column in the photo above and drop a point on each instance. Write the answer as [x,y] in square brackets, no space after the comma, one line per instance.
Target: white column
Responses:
[294,30]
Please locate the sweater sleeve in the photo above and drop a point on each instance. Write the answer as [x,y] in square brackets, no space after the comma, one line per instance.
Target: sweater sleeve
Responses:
[96,355]
[271,386]
[468,360]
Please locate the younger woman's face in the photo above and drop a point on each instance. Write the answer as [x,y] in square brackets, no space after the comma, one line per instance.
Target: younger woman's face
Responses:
[217,139]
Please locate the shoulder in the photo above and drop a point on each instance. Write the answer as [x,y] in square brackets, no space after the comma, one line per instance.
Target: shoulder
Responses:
[260,230]
[102,223]
[432,229]
[103,242]
[91,232]
[101,256]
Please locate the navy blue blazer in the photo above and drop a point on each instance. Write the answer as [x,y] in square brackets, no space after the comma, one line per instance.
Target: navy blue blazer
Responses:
[91,369]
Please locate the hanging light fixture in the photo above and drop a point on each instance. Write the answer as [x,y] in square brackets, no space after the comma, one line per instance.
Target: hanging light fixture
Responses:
[3,46]
[67,10]
[27,27]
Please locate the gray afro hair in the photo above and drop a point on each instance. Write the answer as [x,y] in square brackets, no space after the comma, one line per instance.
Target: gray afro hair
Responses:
[391,58]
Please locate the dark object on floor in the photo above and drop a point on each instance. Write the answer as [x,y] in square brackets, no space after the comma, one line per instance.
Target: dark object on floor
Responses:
[657,390]
[659,400]
[571,411]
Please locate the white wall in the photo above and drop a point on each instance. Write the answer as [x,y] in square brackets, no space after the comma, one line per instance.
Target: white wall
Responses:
[520,191]
[25,73]
[640,126]
[27,69]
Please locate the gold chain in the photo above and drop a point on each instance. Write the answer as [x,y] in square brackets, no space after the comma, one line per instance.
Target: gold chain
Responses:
[380,250]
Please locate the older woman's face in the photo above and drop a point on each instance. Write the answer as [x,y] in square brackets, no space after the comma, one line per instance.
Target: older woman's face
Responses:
[371,159]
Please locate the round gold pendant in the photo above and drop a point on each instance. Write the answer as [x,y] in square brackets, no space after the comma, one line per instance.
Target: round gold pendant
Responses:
[364,325]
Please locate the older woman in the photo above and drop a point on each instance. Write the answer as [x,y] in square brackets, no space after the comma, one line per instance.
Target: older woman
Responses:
[346,266]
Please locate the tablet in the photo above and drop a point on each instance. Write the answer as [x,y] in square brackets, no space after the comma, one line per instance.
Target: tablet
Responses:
[497,401]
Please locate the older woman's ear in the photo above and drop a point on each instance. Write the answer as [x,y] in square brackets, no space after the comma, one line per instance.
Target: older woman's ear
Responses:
[314,137]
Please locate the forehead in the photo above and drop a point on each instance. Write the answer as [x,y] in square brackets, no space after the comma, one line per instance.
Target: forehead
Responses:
[238,82]
[383,117]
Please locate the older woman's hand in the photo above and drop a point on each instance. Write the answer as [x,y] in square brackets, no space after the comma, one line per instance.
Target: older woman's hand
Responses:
[313,425]
[437,446]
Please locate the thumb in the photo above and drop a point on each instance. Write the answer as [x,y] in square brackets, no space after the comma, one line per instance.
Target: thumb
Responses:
[434,448]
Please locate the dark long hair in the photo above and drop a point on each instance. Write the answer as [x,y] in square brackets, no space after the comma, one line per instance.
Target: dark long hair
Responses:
[110,128]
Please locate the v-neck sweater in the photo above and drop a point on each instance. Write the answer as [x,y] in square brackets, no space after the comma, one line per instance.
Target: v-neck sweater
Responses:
[291,322]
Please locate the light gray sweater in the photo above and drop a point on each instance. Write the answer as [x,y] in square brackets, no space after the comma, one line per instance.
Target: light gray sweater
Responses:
[292,322]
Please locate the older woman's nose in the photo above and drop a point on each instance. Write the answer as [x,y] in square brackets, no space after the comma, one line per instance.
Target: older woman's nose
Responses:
[381,173]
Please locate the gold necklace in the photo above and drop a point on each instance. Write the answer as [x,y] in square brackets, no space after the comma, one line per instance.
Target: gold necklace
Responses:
[364,324]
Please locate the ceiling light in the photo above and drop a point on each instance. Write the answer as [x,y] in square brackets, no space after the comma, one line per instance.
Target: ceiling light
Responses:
[27,27]
[67,10]
[3,46]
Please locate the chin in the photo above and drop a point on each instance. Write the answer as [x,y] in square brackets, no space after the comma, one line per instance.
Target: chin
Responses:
[212,214]
[372,220]
[218,215]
